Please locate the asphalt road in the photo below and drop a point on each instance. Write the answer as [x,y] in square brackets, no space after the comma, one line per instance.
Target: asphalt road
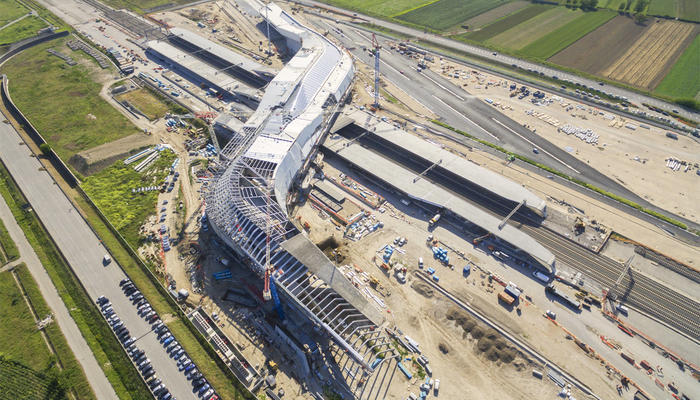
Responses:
[468,113]
[95,376]
[84,251]
[508,60]
[645,294]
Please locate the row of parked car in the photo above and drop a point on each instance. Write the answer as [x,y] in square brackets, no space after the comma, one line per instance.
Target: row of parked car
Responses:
[200,386]
[138,356]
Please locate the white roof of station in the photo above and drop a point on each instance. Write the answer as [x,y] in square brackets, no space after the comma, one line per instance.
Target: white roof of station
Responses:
[423,190]
[223,52]
[487,179]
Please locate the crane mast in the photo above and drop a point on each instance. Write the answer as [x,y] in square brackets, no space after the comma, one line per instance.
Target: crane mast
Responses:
[376,46]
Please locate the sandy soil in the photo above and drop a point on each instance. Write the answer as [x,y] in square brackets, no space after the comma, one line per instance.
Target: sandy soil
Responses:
[465,371]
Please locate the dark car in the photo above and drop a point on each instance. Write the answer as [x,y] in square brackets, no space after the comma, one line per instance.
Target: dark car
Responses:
[124,281]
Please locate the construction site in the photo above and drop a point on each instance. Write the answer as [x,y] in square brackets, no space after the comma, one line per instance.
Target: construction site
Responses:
[331,242]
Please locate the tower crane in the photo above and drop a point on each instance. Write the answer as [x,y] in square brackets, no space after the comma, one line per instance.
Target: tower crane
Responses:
[376,46]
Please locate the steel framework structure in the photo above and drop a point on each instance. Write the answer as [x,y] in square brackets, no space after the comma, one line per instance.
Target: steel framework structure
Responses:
[240,215]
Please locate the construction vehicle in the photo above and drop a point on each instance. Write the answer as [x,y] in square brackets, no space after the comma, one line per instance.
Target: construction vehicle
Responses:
[579,226]
[374,282]
[480,239]
[434,220]
[272,365]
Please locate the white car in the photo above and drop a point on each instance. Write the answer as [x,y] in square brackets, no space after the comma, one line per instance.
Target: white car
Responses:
[106,259]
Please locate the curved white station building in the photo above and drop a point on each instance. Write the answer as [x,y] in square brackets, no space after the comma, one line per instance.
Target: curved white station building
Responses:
[262,162]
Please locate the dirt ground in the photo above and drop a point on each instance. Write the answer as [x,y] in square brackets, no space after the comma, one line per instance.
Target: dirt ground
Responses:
[600,48]
[93,160]
[635,158]
[467,370]
[646,62]
[634,154]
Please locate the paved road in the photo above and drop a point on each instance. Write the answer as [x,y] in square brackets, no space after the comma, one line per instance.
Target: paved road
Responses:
[98,381]
[508,60]
[636,289]
[466,112]
[84,251]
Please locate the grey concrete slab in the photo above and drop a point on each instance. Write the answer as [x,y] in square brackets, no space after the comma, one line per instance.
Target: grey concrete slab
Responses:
[84,251]
[310,255]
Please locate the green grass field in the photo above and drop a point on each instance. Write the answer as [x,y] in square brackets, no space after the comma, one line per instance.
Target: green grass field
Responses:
[506,23]
[111,189]
[19,338]
[689,9]
[10,10]
[72,375]
[381,8]
[533,29]
[61,101]
[446,14]
[114,362]
[146,102]
[683,81]
[668,8]
[23,29]
[9,249]
[559,39]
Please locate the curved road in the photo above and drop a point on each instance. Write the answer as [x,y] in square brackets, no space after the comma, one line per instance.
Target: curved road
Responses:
[508,60]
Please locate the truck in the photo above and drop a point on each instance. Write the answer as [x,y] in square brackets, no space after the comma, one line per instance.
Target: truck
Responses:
[436,388]
[506,298]
[435,219]
[565,297]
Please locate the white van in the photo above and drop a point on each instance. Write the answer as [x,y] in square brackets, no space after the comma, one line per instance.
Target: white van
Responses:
[539,275]
[436,388]
[106,259]
[420,262]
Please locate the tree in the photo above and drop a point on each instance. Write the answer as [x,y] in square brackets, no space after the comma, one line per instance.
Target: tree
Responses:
[45,148]
[589,5]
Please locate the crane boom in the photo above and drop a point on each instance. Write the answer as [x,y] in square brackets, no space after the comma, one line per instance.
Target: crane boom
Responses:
[376,46]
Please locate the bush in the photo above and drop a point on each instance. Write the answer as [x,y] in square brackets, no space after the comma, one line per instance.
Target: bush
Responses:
[45,148]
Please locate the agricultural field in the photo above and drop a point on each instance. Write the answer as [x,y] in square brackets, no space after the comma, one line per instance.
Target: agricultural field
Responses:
[381,8]
[65,106]
[446,14]
[531,30]
[506,23]
[21,382]
[594,52]
[684,9]
[645,63]
[8,249]
[495,14]
[10,10]
[564,36]
[22,29]
[111,189]
[683,81]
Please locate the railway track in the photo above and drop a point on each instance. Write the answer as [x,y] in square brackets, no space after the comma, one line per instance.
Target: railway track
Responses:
[637,290]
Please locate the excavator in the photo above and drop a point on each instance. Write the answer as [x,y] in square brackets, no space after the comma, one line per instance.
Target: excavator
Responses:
[579,226]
